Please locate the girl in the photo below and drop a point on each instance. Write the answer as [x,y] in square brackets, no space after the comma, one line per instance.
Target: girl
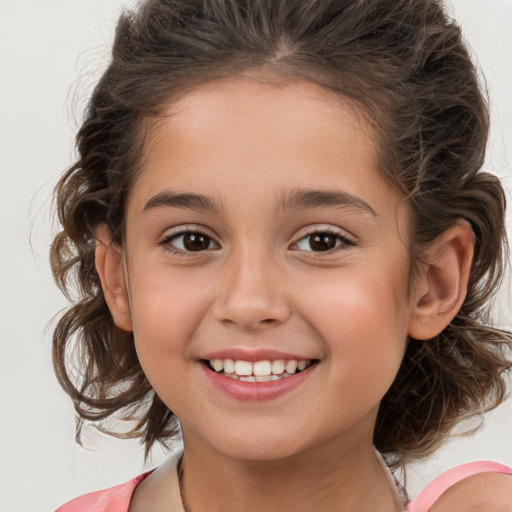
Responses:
[283,240]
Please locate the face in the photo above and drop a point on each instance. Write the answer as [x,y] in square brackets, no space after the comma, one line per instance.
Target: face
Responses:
[293,252]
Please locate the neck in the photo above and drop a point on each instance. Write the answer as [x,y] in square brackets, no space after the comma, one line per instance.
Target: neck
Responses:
[214,482]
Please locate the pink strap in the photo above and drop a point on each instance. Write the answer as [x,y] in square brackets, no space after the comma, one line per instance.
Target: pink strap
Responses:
[433,491]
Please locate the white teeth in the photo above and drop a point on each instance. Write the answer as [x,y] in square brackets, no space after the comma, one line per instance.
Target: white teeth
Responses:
[243,368]
[266,378]
[250,378]
[259,371]
[229,366]
[262,368]
[278,367]
[291,367]
[262,378]
[217,364]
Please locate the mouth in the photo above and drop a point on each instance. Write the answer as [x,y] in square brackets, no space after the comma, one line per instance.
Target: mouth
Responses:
[258,371]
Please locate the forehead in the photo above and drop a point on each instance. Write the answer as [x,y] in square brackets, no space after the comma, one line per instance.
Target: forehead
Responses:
[263,99]
[259,131]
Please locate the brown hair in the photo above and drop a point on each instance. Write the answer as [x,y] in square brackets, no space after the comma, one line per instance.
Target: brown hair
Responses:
[404,63]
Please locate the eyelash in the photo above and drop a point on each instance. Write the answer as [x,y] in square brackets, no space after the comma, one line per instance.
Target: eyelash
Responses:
[346,242]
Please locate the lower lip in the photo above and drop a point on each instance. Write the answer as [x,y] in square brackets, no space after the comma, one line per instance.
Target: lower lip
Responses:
[256,391]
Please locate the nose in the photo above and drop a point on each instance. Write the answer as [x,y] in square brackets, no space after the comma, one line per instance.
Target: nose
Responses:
[252,293]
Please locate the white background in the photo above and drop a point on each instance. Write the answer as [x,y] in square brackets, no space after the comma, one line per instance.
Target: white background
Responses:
[51,52]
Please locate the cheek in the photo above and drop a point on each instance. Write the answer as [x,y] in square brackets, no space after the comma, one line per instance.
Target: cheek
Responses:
[166,308]
[362,316]
[166,311]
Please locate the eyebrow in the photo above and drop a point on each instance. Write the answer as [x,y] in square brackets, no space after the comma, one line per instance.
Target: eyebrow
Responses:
[296,199]
[190,201]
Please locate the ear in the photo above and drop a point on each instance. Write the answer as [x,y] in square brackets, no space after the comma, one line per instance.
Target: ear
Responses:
[109,265]
[441,287]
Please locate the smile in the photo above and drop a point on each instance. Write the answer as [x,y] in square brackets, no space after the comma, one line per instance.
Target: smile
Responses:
[258,371]
[259,379]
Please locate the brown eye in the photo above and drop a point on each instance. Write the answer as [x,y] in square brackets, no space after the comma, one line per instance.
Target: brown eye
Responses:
[195,242]
[187,241]
[323,241]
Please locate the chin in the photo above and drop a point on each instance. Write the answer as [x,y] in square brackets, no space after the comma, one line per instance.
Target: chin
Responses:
[263,445]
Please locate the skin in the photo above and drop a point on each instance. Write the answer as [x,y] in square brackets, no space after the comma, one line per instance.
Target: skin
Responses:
[478,493]
[260,284]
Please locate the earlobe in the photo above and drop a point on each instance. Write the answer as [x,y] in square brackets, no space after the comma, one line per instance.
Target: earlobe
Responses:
[442,284]
[109,265]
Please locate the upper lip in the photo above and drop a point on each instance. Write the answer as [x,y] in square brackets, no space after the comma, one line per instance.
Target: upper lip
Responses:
[261,354]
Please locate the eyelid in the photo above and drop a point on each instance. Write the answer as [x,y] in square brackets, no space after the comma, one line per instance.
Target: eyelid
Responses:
[348,240]
[165,240]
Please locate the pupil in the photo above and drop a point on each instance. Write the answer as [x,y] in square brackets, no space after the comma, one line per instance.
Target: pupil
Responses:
[195,242]
[322,242]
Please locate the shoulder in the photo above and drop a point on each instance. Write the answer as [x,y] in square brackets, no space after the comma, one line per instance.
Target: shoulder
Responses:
[114,499]
[477,493]
[472,487]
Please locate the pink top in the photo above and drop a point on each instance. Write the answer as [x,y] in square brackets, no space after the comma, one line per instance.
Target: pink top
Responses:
[117,499]
[432,492]
[114,499]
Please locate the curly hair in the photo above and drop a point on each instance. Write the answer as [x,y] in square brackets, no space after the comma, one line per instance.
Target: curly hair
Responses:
[405,65]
